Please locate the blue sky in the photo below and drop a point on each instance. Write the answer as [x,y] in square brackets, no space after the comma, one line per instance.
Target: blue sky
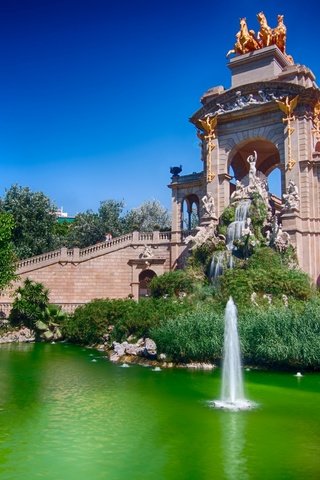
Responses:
[95,95]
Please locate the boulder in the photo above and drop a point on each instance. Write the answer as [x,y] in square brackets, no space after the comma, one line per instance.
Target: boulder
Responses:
[48,335]
[41,326]
[150,348]
[119,348]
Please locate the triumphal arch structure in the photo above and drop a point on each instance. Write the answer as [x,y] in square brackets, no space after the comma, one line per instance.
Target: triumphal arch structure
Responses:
[272,108]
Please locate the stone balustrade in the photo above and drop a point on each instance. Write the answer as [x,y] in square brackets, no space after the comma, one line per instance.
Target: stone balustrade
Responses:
[5,308]
[80,255]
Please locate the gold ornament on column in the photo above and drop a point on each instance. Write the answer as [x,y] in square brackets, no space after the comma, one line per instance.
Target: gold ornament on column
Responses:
[316,120]
[206,133]
[287,106]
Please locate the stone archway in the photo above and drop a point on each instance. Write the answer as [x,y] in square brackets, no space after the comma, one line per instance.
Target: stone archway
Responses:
[145,278]
[268,157]
[268,160]
[190,212]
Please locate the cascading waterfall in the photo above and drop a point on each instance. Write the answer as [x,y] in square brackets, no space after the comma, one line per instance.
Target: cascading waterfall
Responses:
[235,228]
[217,265]
[223,259]
[232,393]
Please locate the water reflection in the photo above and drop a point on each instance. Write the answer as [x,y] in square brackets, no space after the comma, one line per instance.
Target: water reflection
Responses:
[233,428]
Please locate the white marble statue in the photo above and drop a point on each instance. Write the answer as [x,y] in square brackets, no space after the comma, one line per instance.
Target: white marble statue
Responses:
[208,205]
[291,198]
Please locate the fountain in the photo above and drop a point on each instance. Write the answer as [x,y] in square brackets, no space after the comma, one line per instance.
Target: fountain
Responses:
[232,393]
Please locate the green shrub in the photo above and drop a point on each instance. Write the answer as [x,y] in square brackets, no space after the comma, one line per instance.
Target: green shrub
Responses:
[31,301]
[90,322]
[148,313]
[171,284]
[266,272]
[195,336]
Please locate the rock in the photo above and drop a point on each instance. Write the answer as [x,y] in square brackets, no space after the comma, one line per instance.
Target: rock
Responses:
[162,356]
[57,335]
[119,348]
[150,348]
[48,335]
[41,326]
[114,357]
[134,349]
[200,366]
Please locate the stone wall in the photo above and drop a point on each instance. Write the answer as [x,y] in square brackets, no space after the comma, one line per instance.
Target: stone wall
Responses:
[106,270]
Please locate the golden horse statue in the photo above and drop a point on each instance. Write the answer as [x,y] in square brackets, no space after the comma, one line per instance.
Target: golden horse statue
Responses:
[279,35]
[265,33]
[246,41]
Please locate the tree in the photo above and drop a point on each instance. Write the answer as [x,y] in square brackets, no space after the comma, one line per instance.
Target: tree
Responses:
[7,256]
[110,213]
[34,220]
[151,215]
[87,229]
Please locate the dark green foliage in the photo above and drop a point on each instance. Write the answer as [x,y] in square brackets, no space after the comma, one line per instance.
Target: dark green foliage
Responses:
[90,322]
[7,256]
[195,336]
[34,220]
[266,272]
[148,313]
[258,214]
[201,256]
[87,229]
[227,217]
[31,301]
[171,284]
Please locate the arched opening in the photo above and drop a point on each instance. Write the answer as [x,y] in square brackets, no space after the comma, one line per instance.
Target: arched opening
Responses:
[145,278]
[268,164]
[190,212]
[268,157]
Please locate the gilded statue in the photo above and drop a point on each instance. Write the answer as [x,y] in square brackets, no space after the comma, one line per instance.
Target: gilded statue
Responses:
[265,33]
[287,106]
[206,133]
[246,41]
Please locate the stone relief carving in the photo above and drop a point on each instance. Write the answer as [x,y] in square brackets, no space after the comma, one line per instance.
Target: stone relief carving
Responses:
[242,101]
[147,252]
[291,198]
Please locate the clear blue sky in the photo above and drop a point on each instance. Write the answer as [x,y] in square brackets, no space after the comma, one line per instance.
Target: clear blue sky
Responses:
[95,95]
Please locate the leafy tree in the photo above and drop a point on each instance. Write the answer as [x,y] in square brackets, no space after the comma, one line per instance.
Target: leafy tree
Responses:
[34,220]
[110,214]
[87,229]
[7,256]
[151,215]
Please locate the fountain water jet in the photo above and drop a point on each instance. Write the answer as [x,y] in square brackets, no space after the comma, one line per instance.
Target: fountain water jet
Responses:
[232,393]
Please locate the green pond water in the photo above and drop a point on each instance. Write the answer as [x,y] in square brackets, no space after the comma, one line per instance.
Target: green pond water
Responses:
[65,416]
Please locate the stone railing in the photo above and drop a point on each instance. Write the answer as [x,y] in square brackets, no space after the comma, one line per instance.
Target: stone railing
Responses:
[77,254]
[5,308]
[45,257]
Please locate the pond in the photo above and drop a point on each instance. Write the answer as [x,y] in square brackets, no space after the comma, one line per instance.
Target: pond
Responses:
[68,413]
